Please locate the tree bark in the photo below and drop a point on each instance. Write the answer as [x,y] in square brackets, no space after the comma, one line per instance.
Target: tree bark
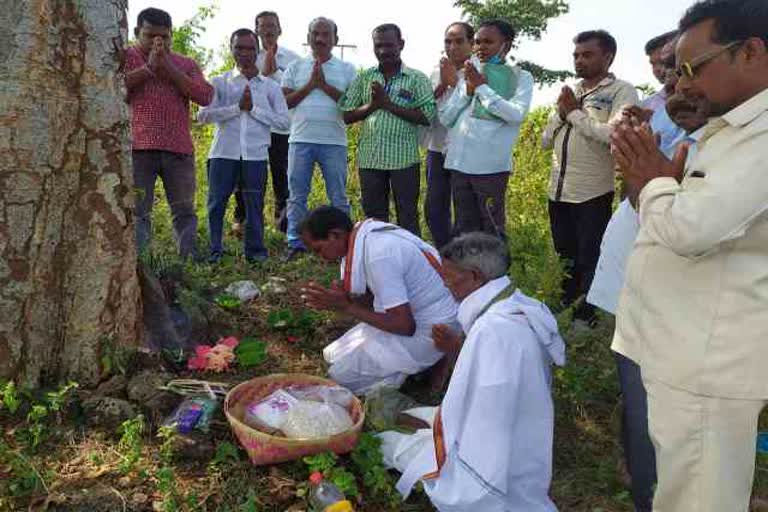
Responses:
[69,296]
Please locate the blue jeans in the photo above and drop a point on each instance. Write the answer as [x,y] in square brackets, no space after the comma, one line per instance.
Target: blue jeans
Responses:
[638,448]
[302,157]
[223,175]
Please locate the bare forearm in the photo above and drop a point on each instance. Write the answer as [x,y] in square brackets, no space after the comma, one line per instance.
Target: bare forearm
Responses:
[411,115]
[395,324]
[439,91]
[294,97]
[359,114]
[332,92]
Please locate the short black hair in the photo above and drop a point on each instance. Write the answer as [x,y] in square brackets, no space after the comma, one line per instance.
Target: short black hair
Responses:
[659,41]
[504,27]
[264,14]
[320,221]
[243,32]
[605,40]
[154,16]
[468,29]
[386,27]
[735,20]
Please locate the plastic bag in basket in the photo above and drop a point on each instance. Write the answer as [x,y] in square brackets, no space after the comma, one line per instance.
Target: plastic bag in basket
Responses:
[309,419]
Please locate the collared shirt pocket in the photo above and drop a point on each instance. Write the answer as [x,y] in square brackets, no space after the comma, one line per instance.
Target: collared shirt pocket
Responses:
[600,106]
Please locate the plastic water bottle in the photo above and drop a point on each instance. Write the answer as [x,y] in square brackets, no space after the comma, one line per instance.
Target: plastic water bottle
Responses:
[326,497]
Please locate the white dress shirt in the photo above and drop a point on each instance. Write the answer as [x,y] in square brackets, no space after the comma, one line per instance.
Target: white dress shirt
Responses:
[435,136]
[318,119]
[283,59]
[239,134]
[484,146]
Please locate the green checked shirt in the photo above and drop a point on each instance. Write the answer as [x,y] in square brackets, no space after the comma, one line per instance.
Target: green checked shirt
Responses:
[387,141]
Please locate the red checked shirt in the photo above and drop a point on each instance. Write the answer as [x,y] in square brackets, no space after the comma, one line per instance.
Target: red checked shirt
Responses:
[159,111]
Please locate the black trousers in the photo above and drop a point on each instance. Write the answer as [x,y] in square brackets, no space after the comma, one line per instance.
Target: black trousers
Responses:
[278,168]
[375,185]
[437,204]
[577,230]
[480,202]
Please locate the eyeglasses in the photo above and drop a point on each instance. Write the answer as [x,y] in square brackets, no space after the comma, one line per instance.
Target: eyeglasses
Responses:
[690,69]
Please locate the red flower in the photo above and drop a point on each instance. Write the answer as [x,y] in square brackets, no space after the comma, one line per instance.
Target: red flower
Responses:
[231,342]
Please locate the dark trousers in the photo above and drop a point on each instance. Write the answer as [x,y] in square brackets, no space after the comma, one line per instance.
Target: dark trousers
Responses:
[437,205]
[577,230]
[479,201]
[223,176]
[638,448]
[278,168]
[375,185]
[178,174]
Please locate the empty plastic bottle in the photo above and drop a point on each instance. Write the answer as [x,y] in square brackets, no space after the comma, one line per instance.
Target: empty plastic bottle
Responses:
[326,497]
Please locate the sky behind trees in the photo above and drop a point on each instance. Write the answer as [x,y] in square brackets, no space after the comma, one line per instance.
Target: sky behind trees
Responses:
[632,22]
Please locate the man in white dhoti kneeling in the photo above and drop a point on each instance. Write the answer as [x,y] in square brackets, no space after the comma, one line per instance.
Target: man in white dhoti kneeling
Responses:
[391,285]
[489,447]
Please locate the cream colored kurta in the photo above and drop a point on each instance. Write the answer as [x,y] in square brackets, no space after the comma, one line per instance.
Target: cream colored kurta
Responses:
[694,311]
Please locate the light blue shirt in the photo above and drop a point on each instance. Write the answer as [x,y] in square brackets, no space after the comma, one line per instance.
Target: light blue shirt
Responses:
[671,134]
[484,146]
[318,119]
[656,102]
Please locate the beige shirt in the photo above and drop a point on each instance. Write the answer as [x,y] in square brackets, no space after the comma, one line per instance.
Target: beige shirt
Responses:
[582,165]
[694,309]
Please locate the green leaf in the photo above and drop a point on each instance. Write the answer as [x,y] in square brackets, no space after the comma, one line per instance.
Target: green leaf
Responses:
[282,319]
[344,480]
[322,462]
[11,399]
[226,454]
[227,301]
[250,352]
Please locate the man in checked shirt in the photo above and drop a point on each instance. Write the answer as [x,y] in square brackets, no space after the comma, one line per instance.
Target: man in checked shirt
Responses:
[160,86]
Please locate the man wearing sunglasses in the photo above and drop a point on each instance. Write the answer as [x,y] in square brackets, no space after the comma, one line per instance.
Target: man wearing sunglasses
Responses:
[694,310]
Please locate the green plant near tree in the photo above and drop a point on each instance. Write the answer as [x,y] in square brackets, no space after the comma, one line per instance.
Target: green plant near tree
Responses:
[131,442]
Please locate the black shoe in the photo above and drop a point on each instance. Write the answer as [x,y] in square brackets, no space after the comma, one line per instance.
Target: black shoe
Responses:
[215,258]
[294,253]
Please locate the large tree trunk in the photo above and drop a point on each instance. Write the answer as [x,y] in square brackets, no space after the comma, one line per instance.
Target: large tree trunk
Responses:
[69,296]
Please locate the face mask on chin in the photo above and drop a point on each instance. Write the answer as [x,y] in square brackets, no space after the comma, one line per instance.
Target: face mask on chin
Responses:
[496,59]
[500,57]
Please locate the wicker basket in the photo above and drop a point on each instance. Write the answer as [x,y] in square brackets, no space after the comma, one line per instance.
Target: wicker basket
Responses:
[266,449]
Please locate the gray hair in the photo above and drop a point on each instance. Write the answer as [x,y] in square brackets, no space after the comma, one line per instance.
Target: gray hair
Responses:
[323,19]
[480,252]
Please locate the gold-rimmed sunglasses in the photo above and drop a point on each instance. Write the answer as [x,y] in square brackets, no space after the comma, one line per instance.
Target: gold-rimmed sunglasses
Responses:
[690,69]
